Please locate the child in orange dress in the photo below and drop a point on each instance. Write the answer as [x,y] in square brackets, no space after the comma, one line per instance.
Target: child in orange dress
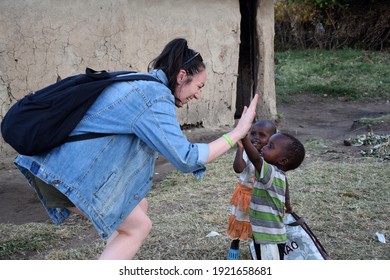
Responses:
[239,227]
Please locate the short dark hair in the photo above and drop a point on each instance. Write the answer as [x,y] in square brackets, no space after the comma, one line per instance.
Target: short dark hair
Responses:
[266,123]
[295,152]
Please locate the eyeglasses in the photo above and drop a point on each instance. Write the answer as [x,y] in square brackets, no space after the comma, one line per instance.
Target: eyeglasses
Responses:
[192,58]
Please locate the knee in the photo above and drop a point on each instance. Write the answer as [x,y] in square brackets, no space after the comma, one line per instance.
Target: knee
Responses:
[148,225]
[144,228]
[141,228]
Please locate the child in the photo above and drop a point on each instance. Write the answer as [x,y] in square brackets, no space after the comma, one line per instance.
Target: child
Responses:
[239,227]
[282,153]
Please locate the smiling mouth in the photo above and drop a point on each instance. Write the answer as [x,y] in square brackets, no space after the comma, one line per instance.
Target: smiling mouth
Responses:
[178,103]
[189,98]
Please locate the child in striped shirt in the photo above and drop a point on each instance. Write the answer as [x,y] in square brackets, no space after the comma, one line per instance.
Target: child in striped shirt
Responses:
[282,153]
[239,226]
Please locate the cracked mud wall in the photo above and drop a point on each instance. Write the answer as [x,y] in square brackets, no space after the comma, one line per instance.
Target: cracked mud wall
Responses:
[46,39]
[43,40]
[265,29]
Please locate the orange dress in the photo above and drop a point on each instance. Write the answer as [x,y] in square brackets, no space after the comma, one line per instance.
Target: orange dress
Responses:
[239,226]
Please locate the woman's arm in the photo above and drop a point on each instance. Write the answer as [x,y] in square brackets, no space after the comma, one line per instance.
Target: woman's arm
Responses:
[159,129]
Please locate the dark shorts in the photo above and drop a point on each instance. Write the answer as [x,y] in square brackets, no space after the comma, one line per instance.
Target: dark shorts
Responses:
[53,197]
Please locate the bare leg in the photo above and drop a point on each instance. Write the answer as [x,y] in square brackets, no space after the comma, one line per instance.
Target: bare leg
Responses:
[129,236]
[144,206]
[76,210]
[125,242]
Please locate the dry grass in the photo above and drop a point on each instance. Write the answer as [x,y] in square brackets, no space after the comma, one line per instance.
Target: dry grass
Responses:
[185,210]
[345,200]
[346,203]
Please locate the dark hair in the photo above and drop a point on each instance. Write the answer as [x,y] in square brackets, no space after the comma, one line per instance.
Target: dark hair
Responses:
[176,56]
[295,152]
[267,124]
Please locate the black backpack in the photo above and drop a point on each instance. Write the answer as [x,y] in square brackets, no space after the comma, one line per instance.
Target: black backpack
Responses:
[44,119]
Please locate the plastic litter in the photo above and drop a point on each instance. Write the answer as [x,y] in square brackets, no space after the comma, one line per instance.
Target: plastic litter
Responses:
[212,234]
[381,237]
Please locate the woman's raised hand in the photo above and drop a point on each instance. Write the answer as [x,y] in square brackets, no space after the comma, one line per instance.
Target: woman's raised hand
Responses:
[247,117]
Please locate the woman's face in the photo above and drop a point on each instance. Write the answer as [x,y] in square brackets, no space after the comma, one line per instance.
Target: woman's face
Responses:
[188,87]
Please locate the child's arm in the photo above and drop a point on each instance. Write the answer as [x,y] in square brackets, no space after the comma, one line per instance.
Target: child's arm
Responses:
[239,163]
[287,204]
[252,153]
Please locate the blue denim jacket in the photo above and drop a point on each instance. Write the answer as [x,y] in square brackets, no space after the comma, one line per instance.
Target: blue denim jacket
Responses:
[107,177]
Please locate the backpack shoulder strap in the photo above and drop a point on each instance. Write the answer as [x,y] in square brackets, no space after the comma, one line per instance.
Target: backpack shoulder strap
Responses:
[120,75]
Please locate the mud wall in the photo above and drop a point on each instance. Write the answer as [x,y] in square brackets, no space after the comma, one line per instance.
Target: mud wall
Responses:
[265,85]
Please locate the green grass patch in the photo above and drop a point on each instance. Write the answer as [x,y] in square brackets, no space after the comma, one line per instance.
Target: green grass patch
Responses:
[373,121]
[347,73]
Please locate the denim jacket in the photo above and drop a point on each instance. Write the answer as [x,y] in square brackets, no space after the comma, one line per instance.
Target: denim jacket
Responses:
[107,177]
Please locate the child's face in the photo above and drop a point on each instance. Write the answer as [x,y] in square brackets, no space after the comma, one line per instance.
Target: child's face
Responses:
[259,136]
[274,151]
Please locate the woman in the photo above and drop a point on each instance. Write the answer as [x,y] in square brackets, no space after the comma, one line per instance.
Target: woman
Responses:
[106,179]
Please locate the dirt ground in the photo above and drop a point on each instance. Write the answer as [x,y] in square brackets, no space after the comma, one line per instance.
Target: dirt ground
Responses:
[308,117]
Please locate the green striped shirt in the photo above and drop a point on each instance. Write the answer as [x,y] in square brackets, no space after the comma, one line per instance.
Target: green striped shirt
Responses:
[267,205]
